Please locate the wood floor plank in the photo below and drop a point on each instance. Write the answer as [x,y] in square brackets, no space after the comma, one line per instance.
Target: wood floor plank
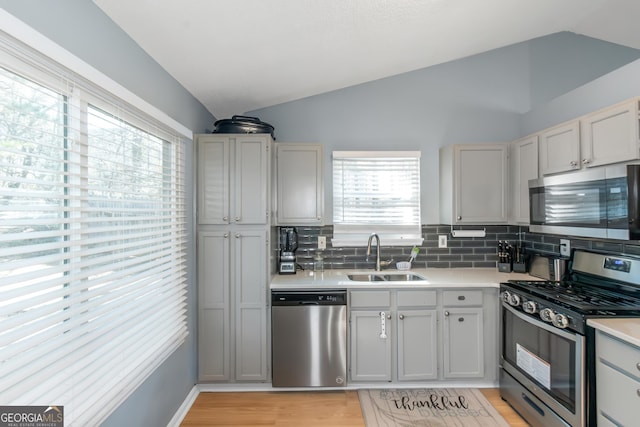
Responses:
[289,409]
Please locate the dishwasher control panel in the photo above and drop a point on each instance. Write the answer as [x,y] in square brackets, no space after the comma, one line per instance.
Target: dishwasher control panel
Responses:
[309,297]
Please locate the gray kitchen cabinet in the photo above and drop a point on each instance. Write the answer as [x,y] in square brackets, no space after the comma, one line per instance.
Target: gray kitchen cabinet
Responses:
[560,148]
[370,336]
[299,184]
[232,304]
[370,358]
[611,135]
[214,305]
[617,381]
[393,335]
[474,184]
[233,178]
[463,334]
[417,344]
[523,166]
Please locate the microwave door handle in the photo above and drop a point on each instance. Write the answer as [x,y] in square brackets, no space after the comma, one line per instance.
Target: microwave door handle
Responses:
[568,335]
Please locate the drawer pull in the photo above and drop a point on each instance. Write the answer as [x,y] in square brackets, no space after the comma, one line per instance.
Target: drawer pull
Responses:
[638,391]
[638,366]
[460,319]
[461,298]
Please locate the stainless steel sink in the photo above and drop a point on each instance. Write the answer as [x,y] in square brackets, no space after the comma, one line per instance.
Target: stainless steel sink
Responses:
[381,277]
[402,277]
[366,277]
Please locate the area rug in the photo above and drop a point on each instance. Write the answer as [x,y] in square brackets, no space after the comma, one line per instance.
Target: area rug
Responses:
[446,407]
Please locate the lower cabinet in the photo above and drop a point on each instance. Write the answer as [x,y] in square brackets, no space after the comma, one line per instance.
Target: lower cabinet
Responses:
[463,334]
[232,305]
[617,381]
[421,335]
[393,335]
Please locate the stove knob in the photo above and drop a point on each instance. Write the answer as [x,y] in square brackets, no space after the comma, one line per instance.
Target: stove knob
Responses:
[530,307]
[547,314]
[506,296]
[560,321]
[514,300]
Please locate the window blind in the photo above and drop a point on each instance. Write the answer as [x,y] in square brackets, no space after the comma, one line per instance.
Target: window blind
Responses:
[92,241]
[376,191]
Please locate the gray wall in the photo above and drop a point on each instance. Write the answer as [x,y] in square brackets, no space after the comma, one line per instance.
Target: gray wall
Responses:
[82,28]
[614,87]
[472,100]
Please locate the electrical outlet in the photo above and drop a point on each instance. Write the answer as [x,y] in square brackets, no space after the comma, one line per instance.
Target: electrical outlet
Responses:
[442,241]
[565,247]
[322,242]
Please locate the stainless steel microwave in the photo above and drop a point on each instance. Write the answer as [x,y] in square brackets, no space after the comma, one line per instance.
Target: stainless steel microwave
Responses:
[600,202]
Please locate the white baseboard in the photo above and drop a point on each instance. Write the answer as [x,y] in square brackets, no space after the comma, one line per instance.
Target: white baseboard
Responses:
[184,408]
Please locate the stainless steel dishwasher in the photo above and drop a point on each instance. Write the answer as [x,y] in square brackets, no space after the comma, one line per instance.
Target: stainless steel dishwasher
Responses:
[309,338]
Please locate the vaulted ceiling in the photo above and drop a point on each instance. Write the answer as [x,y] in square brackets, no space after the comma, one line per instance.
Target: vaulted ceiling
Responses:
[241,55]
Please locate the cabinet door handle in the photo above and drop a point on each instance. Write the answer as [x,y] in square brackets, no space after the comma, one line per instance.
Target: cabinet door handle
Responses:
[226,235]
[586,161]
[224,218]
[401,317]
[460,319]
[573,164]
[638,366]
[237,219]
[446,313]
[459,217]
[238,235]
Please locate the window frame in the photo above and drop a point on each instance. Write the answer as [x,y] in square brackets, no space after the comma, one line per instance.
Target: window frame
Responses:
[79,93]
[352,233]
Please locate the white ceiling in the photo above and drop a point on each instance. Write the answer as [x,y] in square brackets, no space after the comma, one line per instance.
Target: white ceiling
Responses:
[241,55]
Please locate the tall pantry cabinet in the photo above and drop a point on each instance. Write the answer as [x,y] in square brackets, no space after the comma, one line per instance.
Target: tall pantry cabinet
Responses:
[233,210]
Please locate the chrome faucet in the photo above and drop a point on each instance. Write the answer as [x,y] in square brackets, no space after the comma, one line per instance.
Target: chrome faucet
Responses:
[378,268]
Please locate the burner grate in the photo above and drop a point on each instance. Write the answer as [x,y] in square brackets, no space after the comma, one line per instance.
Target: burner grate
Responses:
[579,296]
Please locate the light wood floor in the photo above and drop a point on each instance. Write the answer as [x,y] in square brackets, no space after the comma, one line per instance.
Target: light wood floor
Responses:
[314,409]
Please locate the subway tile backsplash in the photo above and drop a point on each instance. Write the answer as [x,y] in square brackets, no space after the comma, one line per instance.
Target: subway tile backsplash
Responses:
[472,252]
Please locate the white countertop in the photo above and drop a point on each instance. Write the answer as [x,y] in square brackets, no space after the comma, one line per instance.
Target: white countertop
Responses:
[626,329]
[434,277]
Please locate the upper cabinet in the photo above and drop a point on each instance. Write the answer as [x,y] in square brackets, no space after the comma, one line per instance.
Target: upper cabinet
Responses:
[233,178]
[607,136]
[523,166]
[560,148]
[473,184]
[299,184]
[611,135]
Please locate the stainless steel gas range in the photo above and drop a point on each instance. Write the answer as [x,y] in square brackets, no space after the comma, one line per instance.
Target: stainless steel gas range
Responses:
[547,351]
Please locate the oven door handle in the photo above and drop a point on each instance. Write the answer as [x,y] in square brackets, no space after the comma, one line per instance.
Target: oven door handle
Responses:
[550,328]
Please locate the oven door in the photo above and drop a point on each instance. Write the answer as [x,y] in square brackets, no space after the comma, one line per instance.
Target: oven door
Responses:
[547,361]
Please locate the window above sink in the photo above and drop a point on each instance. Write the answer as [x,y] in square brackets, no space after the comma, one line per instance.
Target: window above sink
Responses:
[376,192]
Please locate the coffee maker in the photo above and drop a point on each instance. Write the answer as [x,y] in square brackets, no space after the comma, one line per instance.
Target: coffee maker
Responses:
[288,246]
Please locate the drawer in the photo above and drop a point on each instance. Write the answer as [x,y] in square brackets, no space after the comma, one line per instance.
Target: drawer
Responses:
[461,298]
[370,299]
[618,395]
[417,298]
[618,353]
